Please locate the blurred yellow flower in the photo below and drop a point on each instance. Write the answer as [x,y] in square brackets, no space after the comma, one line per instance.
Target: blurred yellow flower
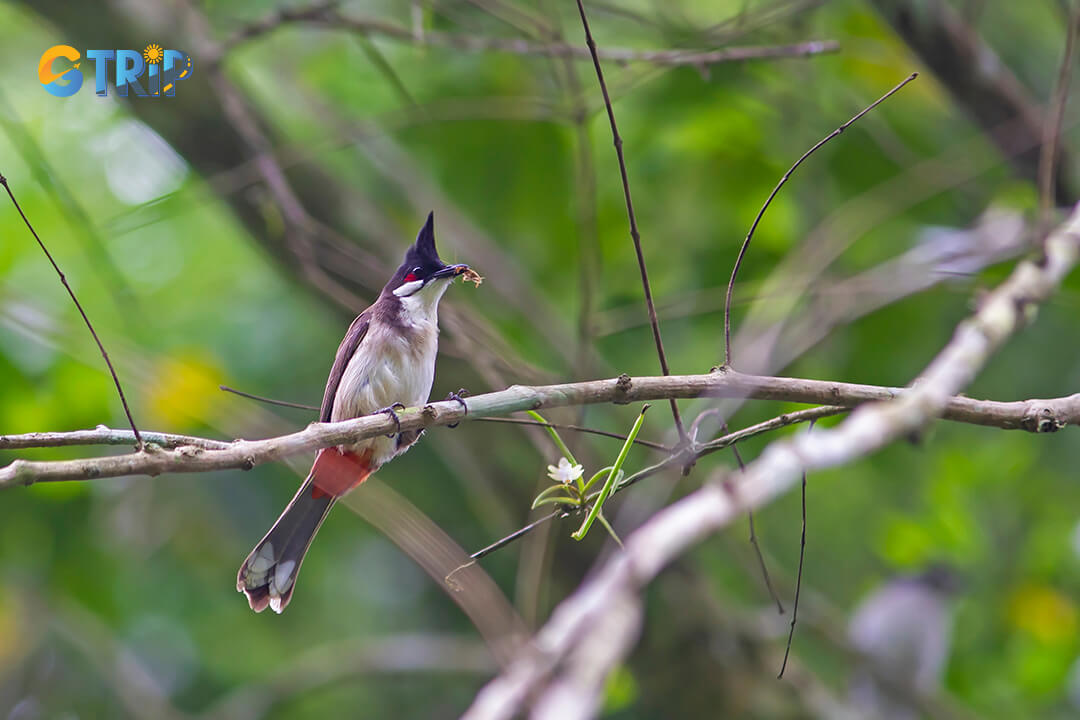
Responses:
[1045,613]
[183,391]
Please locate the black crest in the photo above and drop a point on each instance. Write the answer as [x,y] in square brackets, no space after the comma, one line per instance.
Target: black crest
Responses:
[422,253]
[421,259]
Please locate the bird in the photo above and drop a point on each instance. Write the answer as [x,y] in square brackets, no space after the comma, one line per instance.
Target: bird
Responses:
[904,628]
[385,362]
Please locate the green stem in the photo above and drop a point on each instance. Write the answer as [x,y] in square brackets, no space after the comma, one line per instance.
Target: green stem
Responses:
[611,478]
[554,436]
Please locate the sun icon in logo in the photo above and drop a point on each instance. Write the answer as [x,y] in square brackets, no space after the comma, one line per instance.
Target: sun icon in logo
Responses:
[153,53]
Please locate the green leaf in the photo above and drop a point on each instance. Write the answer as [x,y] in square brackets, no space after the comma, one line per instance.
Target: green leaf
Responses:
[558,500]
[542,497]
[611,530]
[596,477]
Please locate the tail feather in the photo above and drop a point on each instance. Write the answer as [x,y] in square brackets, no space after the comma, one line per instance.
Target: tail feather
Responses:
[268,575]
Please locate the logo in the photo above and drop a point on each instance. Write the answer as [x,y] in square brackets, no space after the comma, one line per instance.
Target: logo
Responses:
[66,82]
[161,69]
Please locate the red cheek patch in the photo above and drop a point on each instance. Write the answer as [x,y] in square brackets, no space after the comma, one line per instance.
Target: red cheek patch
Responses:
[411,277]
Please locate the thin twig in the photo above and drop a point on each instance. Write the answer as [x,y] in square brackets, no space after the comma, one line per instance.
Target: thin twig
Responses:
[760,558]
[576,428]
[267,400]
[753,534]
[89,326]
[792,418]
[520,532]
[798,576]
[761,212]
[1048,155]
[634,234]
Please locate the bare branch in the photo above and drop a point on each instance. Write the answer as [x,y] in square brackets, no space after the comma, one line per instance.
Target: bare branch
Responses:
[798,577]
[634,234]
[749,515]
[512,421]
[1037,416]
[269,400]
[89,326]
[753,226]
[102,435]
[584,626]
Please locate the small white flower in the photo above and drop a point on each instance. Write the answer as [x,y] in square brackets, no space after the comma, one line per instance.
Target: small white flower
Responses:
[565,472]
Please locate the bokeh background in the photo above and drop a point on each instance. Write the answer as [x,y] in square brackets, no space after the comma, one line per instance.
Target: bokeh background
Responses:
[117,597]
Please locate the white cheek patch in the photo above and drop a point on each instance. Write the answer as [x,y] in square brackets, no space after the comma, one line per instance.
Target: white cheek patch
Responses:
[409,288]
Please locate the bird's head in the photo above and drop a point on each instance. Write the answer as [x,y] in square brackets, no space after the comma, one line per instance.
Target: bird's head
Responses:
[423,276]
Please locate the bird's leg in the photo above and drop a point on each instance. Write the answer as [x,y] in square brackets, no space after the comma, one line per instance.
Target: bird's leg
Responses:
[459,397]
[392,412]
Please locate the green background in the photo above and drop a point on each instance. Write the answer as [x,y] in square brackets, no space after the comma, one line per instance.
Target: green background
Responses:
[117,597]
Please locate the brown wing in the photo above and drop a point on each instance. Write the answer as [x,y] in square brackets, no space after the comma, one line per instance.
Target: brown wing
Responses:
[345,352]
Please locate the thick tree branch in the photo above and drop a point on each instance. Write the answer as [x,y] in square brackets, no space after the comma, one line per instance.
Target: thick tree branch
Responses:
[562,672]
[204,455]
[979,82]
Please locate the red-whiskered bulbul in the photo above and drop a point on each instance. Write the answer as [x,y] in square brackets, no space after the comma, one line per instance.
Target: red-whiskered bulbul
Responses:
[386,360]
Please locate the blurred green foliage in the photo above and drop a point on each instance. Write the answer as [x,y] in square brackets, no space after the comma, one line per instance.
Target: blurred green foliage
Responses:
[120,584]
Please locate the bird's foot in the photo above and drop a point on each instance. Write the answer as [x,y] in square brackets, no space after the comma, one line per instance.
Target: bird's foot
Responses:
[392,412]
[459,397]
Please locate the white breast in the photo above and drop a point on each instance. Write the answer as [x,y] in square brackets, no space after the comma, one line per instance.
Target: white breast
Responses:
[391,365]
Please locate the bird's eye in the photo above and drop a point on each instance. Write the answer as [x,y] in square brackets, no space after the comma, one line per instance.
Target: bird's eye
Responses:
[413,275]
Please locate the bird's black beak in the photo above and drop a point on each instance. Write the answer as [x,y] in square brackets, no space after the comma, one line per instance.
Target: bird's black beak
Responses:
[449,271]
